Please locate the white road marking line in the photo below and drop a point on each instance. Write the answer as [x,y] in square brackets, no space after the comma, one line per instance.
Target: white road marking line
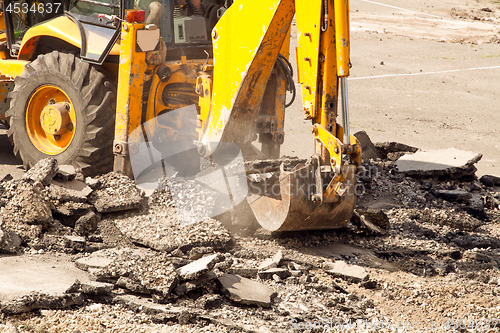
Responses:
[399,8]
[424,73]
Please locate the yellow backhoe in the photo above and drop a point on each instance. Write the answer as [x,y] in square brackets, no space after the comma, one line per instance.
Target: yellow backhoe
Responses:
[90,82]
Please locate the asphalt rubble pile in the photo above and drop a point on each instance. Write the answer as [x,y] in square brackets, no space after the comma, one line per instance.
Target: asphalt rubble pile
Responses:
[438,222]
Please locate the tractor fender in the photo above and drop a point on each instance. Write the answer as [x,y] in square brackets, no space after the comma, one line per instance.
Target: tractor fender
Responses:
[62,28]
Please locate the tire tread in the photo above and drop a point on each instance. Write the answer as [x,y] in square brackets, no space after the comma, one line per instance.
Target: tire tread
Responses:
[97,92]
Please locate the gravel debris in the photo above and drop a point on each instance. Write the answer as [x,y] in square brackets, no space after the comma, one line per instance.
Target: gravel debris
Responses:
[438,249]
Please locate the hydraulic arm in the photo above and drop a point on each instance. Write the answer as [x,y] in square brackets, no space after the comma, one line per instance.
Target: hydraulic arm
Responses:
[318,193]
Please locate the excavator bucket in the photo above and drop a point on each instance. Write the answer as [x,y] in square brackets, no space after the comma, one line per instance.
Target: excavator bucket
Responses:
[285,202]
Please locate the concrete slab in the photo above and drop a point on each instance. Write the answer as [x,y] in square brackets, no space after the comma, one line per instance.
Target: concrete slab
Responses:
[438,162]
[43,273]
[246,291]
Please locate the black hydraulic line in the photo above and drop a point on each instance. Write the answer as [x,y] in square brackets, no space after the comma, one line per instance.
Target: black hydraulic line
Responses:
[286,66]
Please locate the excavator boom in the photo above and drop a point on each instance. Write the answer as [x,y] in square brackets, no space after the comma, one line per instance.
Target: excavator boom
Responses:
[317,194]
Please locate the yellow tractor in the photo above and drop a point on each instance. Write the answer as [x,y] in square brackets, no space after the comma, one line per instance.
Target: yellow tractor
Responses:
[89,81]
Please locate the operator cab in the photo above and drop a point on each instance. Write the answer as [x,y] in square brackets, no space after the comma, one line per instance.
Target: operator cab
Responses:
[185,25]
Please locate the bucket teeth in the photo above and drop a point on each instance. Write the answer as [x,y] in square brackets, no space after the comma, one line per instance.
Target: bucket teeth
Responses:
[286,202]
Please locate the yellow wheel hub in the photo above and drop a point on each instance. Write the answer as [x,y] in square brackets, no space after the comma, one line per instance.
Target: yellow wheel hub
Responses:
[55,118]
[50,120]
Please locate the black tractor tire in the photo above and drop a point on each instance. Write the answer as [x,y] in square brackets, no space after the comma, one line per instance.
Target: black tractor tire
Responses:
[92,93]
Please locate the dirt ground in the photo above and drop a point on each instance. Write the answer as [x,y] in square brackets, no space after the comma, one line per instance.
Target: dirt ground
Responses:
[424,74]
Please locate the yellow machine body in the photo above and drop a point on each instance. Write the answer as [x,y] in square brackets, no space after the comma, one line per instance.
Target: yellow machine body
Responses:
[240,96]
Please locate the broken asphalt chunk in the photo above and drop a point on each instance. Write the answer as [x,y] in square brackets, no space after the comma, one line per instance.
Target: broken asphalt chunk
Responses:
[139,304]
[37,301]
[280,272]
[132,285]
[386,148]
[246,291]
[69,191]
[142,267]
[490,181]
[198,267]
[116,193]
[375,216]
[74,242]
[492,202]
[69,212]
[452,195]
[43,171]
[345,271]
[195,284]
[166,234]
[6,178]
[65,173]
[273,262]
[247,272]
[96,288]
[374,220]
[209,301]
[157,276]
[93,183]
[26,207]
[368,150]
[10,242]
[96,260]
[87,223]
[475,207]
[452,162]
